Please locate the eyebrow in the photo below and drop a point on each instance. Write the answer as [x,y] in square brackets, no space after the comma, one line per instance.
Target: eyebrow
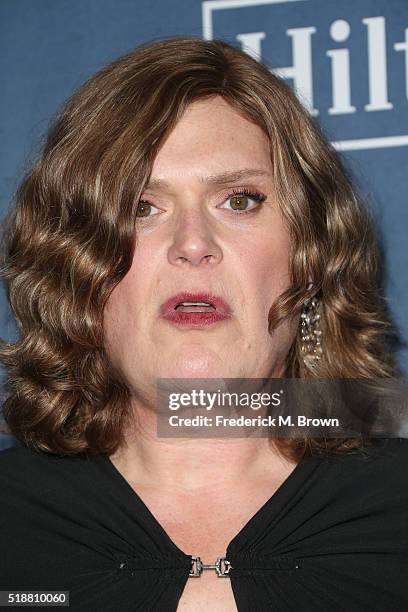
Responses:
[216,179]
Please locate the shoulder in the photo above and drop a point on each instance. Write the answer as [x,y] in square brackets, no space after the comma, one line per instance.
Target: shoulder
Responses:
[389,464]
[393,452]
[28,473]
[375,474]
[376,453]
[19,458]
[382,455]
[14,457]
[19,462]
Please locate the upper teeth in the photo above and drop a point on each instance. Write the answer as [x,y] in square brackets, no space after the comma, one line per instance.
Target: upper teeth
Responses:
[194,304]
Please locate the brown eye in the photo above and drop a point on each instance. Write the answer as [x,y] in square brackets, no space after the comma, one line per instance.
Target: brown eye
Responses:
[145,210]
[239,202]
[244,202]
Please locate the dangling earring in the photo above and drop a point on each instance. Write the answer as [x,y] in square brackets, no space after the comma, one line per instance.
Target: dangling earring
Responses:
[311,334]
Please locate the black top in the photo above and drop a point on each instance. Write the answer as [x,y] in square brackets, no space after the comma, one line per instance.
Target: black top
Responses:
[333,536]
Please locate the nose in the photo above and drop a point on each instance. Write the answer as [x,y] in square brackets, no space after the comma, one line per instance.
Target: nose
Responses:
[194,241]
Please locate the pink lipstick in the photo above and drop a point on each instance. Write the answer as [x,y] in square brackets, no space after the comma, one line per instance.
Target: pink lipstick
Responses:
[195,309]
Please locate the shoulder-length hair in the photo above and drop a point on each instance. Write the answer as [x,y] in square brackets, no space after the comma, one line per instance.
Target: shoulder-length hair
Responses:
[70,237]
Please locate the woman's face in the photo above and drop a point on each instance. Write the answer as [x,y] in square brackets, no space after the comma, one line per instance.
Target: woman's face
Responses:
[194,236]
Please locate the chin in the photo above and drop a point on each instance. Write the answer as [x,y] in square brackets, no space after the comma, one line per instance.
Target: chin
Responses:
[194,362]
[195,369]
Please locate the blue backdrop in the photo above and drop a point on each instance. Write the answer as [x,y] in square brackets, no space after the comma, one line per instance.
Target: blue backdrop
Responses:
[347,60]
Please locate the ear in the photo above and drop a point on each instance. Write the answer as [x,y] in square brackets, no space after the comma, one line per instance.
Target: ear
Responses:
[310,285]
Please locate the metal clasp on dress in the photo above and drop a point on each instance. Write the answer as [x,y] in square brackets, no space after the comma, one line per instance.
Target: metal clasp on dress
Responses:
[222,566]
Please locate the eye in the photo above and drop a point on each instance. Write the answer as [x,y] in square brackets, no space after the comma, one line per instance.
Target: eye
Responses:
[144,208]
[241,199]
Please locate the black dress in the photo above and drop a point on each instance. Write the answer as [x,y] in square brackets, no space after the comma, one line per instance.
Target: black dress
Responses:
[333,537]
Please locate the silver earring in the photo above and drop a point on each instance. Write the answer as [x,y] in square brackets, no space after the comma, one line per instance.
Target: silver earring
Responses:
[311,334]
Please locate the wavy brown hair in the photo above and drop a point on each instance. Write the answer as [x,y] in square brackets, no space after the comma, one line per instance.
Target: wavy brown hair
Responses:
[70,237]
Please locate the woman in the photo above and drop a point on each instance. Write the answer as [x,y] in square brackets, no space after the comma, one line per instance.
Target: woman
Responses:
[186,178]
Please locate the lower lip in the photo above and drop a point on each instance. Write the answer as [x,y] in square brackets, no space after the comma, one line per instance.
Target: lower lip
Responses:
[196,319]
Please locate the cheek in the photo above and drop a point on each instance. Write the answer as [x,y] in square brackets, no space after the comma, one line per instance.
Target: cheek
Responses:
[125,311]
[131,293]
[113,324]
[145,274]
[267,264]
[120,314]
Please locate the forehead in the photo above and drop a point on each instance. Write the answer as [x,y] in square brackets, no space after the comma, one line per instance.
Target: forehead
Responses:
[212,137]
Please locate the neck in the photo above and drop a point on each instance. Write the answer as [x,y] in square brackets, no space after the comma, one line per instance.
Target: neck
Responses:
[192,464]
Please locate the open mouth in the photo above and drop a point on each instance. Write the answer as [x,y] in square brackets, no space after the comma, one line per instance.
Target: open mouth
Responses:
[195,307]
